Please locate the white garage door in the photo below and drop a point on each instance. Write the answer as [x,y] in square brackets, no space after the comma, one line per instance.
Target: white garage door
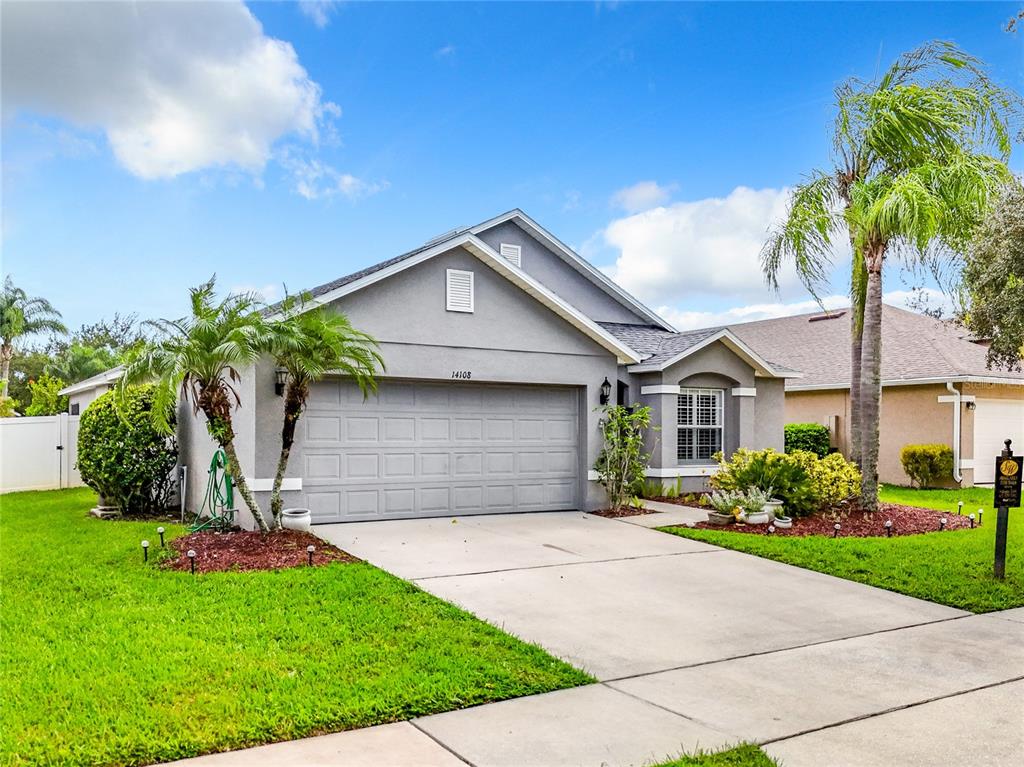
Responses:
[994,421]
[437,449]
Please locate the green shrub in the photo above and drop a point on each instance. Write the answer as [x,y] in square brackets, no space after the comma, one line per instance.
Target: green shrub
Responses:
[807,436]
[622,462]
[46,398]
[122,456]
[833,478]
[780,474]
[926,464]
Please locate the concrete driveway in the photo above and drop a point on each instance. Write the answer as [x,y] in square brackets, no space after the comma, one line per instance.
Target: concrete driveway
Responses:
[699,647]
[695,648]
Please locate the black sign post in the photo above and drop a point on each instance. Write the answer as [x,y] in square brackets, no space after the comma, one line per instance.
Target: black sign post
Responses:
[1009,469]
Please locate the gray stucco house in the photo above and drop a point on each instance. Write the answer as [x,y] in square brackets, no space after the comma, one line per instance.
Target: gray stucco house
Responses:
[498,339]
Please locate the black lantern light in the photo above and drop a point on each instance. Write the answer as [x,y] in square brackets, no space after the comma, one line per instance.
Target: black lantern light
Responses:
[606,392]
[280,379]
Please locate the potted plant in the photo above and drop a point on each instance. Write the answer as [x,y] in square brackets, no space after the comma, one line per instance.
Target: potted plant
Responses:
[753,504]
[782,522]
[773,505]
[724,508]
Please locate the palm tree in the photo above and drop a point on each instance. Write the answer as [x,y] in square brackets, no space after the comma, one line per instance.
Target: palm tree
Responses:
[199,358]
[22,316]
[309,343]
[911,178]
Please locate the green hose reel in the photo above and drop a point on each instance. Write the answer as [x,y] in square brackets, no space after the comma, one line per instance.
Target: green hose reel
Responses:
[219,501]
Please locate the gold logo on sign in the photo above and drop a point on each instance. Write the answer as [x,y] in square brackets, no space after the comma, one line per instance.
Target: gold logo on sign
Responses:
[1008,468]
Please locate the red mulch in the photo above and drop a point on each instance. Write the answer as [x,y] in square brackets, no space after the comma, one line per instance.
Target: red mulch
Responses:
[906,520]
[625,511]
[252,551]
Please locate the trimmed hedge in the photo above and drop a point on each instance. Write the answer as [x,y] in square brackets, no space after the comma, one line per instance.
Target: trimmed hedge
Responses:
[927,464]
[812,437]
[122,455]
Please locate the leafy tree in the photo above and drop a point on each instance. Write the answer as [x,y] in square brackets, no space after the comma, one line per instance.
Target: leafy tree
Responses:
[199,357]
[27,365]
[78,362]
[622,462]
[912,179]
[309,343]
[993,281]
[22,316]
[46,398]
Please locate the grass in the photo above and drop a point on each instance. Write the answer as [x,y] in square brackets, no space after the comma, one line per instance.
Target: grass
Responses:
[951,568]
[741,756]
[106,660]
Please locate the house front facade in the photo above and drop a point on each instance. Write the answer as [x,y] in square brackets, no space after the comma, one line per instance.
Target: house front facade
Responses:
[501,345]
[936,388]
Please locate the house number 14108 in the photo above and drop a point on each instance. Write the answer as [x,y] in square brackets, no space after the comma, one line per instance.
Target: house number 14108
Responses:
[466,374]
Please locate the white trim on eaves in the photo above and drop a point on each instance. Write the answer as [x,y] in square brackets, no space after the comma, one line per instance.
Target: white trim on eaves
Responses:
[914,382]
[729,339]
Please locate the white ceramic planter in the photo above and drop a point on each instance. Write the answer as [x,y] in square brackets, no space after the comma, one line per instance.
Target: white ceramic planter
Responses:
[783,523]
[774,507]
[296,519]
[757,518]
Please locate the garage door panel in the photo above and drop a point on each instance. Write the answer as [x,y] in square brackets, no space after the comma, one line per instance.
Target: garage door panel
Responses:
[430,449]
[994,421]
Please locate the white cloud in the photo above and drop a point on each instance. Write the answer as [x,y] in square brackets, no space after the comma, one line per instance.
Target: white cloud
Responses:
[708,247]
[317,180]
[919,299]
[643,195]
[687,320]
[176,87]
[318,11]
[444,51]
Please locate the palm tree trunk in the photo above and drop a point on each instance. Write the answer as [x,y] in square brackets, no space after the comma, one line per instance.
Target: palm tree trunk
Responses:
[294,402]
[6,352]
[871,378]
[856,350]
[242,486]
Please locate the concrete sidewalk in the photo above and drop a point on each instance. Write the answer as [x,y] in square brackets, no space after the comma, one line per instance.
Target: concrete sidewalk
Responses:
[695,647]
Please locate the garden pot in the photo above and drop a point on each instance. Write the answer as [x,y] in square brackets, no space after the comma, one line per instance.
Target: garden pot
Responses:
[774,507]
[296,519]
[720,520]
[783,523]
[757,518]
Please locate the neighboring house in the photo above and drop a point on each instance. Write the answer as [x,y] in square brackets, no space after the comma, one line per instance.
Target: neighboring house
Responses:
[499,341]
[82,393]
[936,387]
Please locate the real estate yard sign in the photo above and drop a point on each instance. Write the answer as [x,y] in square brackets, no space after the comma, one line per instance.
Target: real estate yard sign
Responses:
[1009,469]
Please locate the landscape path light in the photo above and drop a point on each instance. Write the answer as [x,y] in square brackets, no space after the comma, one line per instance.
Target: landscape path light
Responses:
[888,528]
[191,554]
[309,550]
[160,531]
[145,551]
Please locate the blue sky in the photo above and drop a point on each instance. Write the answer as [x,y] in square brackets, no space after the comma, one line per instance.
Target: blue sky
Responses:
[146,147]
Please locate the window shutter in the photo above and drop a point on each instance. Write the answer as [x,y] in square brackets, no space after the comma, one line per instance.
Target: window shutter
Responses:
[512,253]
[459,291]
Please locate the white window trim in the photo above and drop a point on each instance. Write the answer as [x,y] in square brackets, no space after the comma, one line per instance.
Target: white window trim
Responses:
[719,395]
[448,291]
[511,253]
[744,391]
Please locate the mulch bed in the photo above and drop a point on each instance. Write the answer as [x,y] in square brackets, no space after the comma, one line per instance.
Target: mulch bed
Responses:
[854,523]
[239,551]
[625,511]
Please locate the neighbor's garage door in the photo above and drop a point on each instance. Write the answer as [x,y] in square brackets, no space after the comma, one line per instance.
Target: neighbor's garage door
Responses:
[435,449]
[994,421]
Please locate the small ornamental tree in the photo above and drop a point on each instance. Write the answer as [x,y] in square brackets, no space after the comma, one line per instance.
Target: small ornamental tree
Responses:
[46,398]
[812,437]
[927,464]
[621,465]
[123,456]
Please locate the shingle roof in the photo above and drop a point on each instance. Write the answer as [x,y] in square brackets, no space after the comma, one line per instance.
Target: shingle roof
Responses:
[914,346]
[656,344]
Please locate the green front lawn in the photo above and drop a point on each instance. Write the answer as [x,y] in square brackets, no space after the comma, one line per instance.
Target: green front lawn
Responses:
[105,660]
[952,568]
[740,756]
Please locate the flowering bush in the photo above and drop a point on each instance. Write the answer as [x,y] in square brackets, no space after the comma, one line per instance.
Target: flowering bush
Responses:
[833,478]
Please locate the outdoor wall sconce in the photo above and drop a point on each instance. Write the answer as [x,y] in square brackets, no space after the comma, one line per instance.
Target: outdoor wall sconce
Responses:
[606,392]
[971,405]
[280,379]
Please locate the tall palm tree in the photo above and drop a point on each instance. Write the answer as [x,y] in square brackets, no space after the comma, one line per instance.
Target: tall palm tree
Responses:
[911,178]
[198,357]
[310,343]
[21,316]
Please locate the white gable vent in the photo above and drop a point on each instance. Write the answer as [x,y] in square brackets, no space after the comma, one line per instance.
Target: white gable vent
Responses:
[513,253]
[459,291]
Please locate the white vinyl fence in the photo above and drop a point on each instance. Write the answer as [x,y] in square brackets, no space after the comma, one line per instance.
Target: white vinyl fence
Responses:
[39,453]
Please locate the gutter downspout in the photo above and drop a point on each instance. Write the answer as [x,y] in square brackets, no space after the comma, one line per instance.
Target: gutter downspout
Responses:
[957,475]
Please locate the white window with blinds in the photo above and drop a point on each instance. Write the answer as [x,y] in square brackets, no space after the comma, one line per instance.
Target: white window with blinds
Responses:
[700,422]
[512,253]
[459,291]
